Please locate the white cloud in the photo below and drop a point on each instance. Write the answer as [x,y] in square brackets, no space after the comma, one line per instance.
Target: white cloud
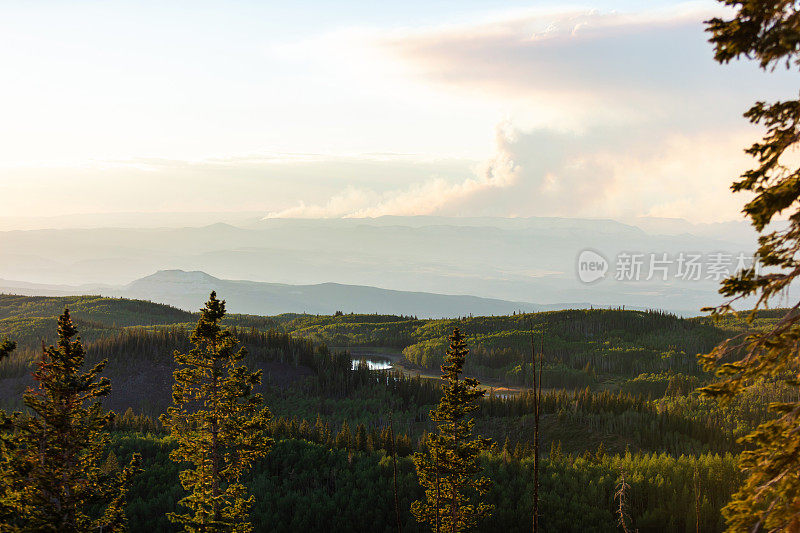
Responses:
[604,172]
[423,197]
[584,54]
[614,114]
[637,119]
[263,183]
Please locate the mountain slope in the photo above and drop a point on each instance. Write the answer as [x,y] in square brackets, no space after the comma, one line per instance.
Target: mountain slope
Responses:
[515,259]
[31,319]
[188,290]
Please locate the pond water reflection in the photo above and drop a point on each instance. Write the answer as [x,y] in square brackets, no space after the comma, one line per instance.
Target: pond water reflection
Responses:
[374,362]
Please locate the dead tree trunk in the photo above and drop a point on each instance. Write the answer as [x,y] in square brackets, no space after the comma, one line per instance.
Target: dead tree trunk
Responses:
[394,468]
[536,365]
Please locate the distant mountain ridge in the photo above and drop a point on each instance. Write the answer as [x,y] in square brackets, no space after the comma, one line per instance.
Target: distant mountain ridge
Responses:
[509,259]
[188,290]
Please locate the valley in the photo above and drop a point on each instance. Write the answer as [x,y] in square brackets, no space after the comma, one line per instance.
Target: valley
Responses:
[617,386]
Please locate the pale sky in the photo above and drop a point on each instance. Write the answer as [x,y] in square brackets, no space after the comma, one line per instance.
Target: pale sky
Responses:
[322,109]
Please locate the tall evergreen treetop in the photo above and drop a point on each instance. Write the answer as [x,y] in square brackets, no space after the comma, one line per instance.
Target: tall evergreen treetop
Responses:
[8,494]
[448,466]
[767,31]
[219,424]
[53,471]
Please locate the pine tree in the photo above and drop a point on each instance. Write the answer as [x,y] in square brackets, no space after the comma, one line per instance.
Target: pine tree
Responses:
[9,496]
[111,464]
[343,437]
[304,431]
[6,347]
[447,467]
[360,439]
[328,435]
[402,445]
[555,451]
[601,452]
[696,483]
[519,451]
[219,425]
[319,430]
[53,471]
[506,452]
[767,31]
[386,440]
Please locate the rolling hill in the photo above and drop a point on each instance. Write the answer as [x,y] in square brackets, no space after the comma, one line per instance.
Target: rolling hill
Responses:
[188,291]
[511,259]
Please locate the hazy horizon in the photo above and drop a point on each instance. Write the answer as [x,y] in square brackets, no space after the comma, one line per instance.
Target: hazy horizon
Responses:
[199,218]
[532,259]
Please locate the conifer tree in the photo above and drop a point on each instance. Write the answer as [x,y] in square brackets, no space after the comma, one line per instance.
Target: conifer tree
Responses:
[6,347]
[360,439]
[319,430]
[768,32]
[8,494]
[519,451]
[53,469]
[506,452]
[343,437]
[304,430]
[219,424]
[447,467]
[111,464]
[696,482]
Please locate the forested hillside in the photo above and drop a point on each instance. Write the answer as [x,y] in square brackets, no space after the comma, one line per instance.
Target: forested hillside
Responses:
[581,347]
[304,486]
[620,394]
[632,351]
[28,319]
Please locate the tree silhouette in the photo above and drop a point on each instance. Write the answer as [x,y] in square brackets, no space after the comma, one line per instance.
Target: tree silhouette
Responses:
[767,31]
[448,466]
[219,425]
[52,466]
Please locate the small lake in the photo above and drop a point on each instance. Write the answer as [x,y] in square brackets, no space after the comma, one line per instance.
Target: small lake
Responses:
[374,362]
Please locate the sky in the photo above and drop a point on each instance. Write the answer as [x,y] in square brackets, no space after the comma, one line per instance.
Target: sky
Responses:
[611,109]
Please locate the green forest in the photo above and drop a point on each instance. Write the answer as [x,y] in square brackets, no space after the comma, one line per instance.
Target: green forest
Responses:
[619,399]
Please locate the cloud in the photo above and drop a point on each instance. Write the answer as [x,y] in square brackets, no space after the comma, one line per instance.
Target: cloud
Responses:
[611,172]
[603,172]
[634,118]
[582,67]
[608,115]
[261,182]
[423,197]
[574,51]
